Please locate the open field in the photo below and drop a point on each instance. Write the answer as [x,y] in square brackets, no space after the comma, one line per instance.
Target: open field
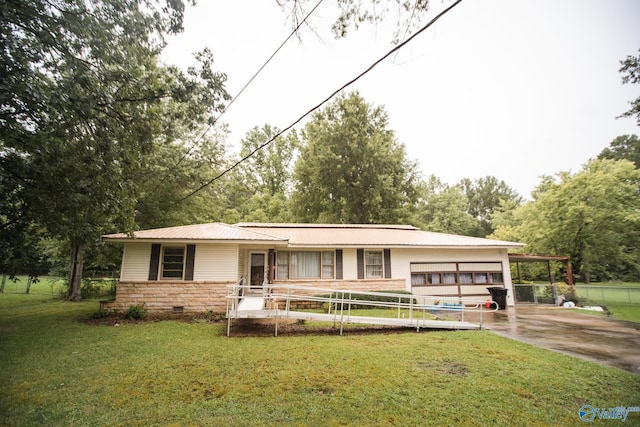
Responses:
[57,370]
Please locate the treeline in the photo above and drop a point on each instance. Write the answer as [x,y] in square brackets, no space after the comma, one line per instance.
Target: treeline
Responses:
[98,136]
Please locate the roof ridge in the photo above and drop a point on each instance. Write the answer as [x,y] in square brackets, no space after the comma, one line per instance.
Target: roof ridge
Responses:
[322,225]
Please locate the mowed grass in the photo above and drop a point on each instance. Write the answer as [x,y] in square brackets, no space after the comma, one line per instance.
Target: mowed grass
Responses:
[57,370]
[621,299]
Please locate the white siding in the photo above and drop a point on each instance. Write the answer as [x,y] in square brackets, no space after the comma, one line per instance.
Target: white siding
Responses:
[420,268]
[480,266]
[135,262]
[216,263]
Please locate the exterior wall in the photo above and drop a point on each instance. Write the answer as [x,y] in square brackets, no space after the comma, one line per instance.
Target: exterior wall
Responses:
[352,285]
[135,262]
[163,296]
[216,266]
[216,263]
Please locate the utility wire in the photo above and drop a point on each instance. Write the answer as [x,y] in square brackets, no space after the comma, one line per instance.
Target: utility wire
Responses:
[334,93]
[293,32]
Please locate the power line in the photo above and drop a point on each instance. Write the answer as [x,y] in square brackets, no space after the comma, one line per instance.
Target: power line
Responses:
[334,93]
[195,143]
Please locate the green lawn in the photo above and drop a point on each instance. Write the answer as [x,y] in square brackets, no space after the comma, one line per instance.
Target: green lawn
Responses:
[57,370]
[621,299]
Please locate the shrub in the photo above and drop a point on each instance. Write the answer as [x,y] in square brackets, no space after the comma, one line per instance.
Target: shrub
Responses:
[136,312]
[99,314]
[375,298]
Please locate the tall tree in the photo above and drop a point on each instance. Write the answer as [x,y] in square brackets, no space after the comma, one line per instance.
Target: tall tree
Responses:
[351,169]
[443,208]
[267,175]
[353,13]
[593,216]
[484,196]
[631,74]
[83,102]
[623,147]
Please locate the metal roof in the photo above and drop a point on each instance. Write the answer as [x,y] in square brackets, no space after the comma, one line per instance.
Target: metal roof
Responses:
[314,235]
[365,235]
[214,231]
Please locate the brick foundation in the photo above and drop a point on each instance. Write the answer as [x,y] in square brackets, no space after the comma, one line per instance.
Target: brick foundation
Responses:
[199,297]
[158,297]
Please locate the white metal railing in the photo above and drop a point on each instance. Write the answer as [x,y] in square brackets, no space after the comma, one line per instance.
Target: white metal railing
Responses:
[341,303]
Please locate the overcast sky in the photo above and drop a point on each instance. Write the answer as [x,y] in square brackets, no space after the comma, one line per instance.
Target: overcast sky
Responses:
[516,89]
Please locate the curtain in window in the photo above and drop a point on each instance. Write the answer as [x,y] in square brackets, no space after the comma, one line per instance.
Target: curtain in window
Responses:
[373,261]
[466,278]
[327,265]
[449,278]
[417,279]
[305,265]
[282,268]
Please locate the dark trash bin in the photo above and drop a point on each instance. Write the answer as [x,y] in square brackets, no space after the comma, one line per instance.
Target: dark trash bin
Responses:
[499,295]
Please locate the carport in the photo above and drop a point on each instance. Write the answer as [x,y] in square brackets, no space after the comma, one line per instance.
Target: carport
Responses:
[519,258]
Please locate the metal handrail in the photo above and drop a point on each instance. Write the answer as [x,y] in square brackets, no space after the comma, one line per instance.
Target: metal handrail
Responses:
[341,301]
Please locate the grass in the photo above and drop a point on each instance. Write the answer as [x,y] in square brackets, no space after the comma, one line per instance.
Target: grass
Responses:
[621,299]
[57,370]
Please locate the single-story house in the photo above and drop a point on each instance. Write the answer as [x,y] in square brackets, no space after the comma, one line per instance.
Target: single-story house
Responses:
[188,268]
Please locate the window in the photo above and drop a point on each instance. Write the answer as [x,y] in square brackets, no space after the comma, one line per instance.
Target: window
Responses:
[173,263]
[456,273]
[373,264]
[417,279]
[327,265]
[305,265]
[282,265]
[482,278]
[466,278]
[449,278]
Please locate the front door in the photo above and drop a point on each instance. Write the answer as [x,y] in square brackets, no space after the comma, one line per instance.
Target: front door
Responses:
[257,270]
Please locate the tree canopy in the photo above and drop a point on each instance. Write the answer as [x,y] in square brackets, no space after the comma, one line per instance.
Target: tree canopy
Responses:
[83,104]
[593,216]
[623,147]
[351,169]
[630,71]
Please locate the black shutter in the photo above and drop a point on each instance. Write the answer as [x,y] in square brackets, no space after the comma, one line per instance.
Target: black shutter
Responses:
[188,267]
[339,264]
[154,263]
[360,259]
[386,254]
[272,266]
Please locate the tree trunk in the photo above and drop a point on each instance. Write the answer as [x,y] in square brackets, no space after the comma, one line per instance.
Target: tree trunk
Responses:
[4,279]
[75,277]
[29,280]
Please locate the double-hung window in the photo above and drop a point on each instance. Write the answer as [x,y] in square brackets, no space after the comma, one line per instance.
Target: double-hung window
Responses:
[173,263]
[373,264]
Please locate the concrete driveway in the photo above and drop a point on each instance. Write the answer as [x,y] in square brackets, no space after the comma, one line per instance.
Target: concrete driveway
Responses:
[595,338]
